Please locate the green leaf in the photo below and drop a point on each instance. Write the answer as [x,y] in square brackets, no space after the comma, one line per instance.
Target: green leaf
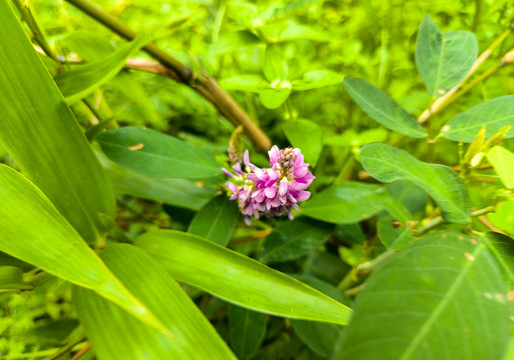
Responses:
[41,134]
[216,221]
[442,295]
[274,66]
[10,275]
[311,145]
[381,108]
[503,160]
[503,217]
[502,248]
[35,232]
[387,164]
[317,79]
[79,82]
[493,114]
[292,239]
[88,46]
[393,238]
[251,83]
[178,192]
[154,154]
[443,60]
[115,334]
[346,203]
[273,98]
[351,138]
[237,278]
[280,31]
[247,329]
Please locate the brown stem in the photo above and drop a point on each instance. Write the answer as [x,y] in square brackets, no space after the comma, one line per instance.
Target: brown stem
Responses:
[204,85]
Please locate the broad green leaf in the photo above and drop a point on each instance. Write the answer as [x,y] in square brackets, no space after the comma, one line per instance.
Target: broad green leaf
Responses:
[493,114]
[503,218]
[77,83]
[41,134]
[320,337]
[216,221]
[252,83]
[502,248]
[412,198]
[154,154]
[381,108]
[115,334]
[273,98]
[87,45]
[503,162]
[311,145]
[442,298]
[443,60]
[247,329]
[238,279]
[31,229]
[52,333]
[346,203]
[274,66]
[317,79]
[393,238]
[292,239]
[387,164]
[178,192]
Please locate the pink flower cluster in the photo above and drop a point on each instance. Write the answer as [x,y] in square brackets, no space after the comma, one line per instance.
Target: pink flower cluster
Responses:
[270,191]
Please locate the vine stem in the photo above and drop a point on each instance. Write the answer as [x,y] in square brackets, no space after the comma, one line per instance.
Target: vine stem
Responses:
[203,84]
[448,98]
[439,220]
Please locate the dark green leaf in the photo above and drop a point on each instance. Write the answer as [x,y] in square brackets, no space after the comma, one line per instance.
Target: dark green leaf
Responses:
[10,275]
[115,334]
[154,154]
[493,114]
[237,278]
[346,203]
[439,298]
[217,220]
[41,134]
[387,164]
[393,238]
[311,145]
[247,329]
[443,60]
[292,239]
[380,107]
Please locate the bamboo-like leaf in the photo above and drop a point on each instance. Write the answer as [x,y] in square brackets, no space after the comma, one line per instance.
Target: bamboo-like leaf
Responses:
[79,82]
[40,132]
[239,279]
[31,229]
[442,297]
[115,334]
[387,164]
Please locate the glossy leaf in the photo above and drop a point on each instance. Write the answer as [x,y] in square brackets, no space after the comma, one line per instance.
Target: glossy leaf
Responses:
[292,239]
[311,145]
[178,192]
[77,83]
[493,114]
[115,334]
[237,278]
[503,162]
[34,231]
[217,220]
[317,79]
[273,98]
[247,329]
[443,60]
[41,134]
[346,203]
[387,164]
[251,83]
[154,154]
[382,108]
[393,238]
[442,295]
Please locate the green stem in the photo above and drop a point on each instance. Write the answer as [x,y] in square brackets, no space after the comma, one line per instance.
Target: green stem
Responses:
[65,349]
[433,223]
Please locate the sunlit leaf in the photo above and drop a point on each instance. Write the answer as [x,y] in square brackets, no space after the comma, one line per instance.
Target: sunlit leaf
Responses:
[442,295]
[273,98]
[317,79]
[387,164]
[251,83]
[274,66]
[503,162]
[311,145]
[238,279]
[503,217]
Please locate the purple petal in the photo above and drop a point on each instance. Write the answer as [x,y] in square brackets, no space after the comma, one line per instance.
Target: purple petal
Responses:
[274,155]
[248,220]
[237,169]
[283,187]
[303,195]
[226,172]
[271,191]
[301,171]
[246,158]
[231,186]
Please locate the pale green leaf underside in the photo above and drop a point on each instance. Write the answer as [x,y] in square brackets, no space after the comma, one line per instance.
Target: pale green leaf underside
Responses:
[382,108]
[443,60]
[441,298]
[239,279]
[387,164]
[115,334]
